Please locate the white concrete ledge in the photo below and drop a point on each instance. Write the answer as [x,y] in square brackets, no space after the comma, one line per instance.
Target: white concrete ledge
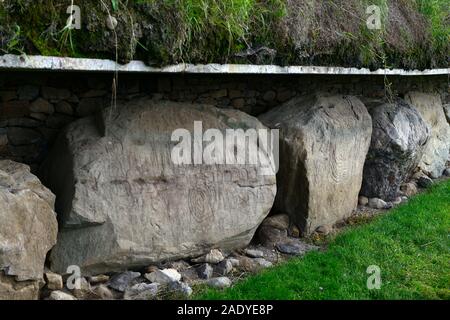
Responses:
[44,63]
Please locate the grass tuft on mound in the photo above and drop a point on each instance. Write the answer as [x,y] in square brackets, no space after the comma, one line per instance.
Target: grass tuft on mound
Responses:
[410,244]
[413,33]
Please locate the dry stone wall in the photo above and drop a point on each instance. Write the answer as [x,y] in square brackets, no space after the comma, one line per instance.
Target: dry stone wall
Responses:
[34,107]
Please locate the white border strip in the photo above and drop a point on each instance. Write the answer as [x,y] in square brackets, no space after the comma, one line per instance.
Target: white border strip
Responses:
[44,63]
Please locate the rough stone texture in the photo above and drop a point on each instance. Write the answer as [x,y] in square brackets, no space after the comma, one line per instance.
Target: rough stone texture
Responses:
[10,289]
[214,256]
[28,230]
[101,168]
[437,150]
[122,281]
[377,203]
[273,230]
[398,141]
[219,283]
[318,183]
[447,112]
[409,189]
[164,276]
[54,281]
[142,291]
[205,271]
[61,295]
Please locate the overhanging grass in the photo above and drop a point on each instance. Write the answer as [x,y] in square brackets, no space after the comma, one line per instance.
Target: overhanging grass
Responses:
[410,244]
[413,34]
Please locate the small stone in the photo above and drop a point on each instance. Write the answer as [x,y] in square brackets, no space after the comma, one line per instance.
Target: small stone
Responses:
[23,136]
[180,265]
[219,93]
[8,95]
[14,109]
[181,288]
[164,276]
[284,95]
[269,236]
[101,278]
[233,94]
[269,96]
[219,283]
[248,265]
[84,290]
[424,182]
[189,275]
[38,116]
[376,203]
[234,262]
[238,103]
[54,281]
[252,253]
[397,201]
[89,106]
[214,256]
[24,122]
[205,271]
[151,269]
[224,267]
[142,291]
[409,189]
[447,172]
[55,94]
[294,231]
[58,120]
[102,292]
[263,262]
[42,106]
[279,221]
[324,230]
[122,281]
[93,94]
[60,295]
[111,22]
[363,201]
[28,92]
[295,248]
[64,107]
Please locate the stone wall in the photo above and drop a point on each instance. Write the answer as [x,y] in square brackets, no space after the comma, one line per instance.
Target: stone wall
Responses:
[34,106]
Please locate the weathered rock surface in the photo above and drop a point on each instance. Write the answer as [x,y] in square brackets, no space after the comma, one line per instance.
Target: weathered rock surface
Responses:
[318,181]
[398,141]
[28,229]
[447,112]
[164,276]
[437,150]
[122,281]
[273,230]
[61,295]
[122,202]
[219,283]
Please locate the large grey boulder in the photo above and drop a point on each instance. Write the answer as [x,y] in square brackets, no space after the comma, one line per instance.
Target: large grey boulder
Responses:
[28,231]
[437,151]
[447,112]
[123,202]
[323,145]
[398,141]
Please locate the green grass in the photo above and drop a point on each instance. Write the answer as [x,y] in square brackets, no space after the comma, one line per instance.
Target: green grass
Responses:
[410,244]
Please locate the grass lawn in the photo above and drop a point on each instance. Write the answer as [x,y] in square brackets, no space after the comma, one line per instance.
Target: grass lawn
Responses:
[410,244]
